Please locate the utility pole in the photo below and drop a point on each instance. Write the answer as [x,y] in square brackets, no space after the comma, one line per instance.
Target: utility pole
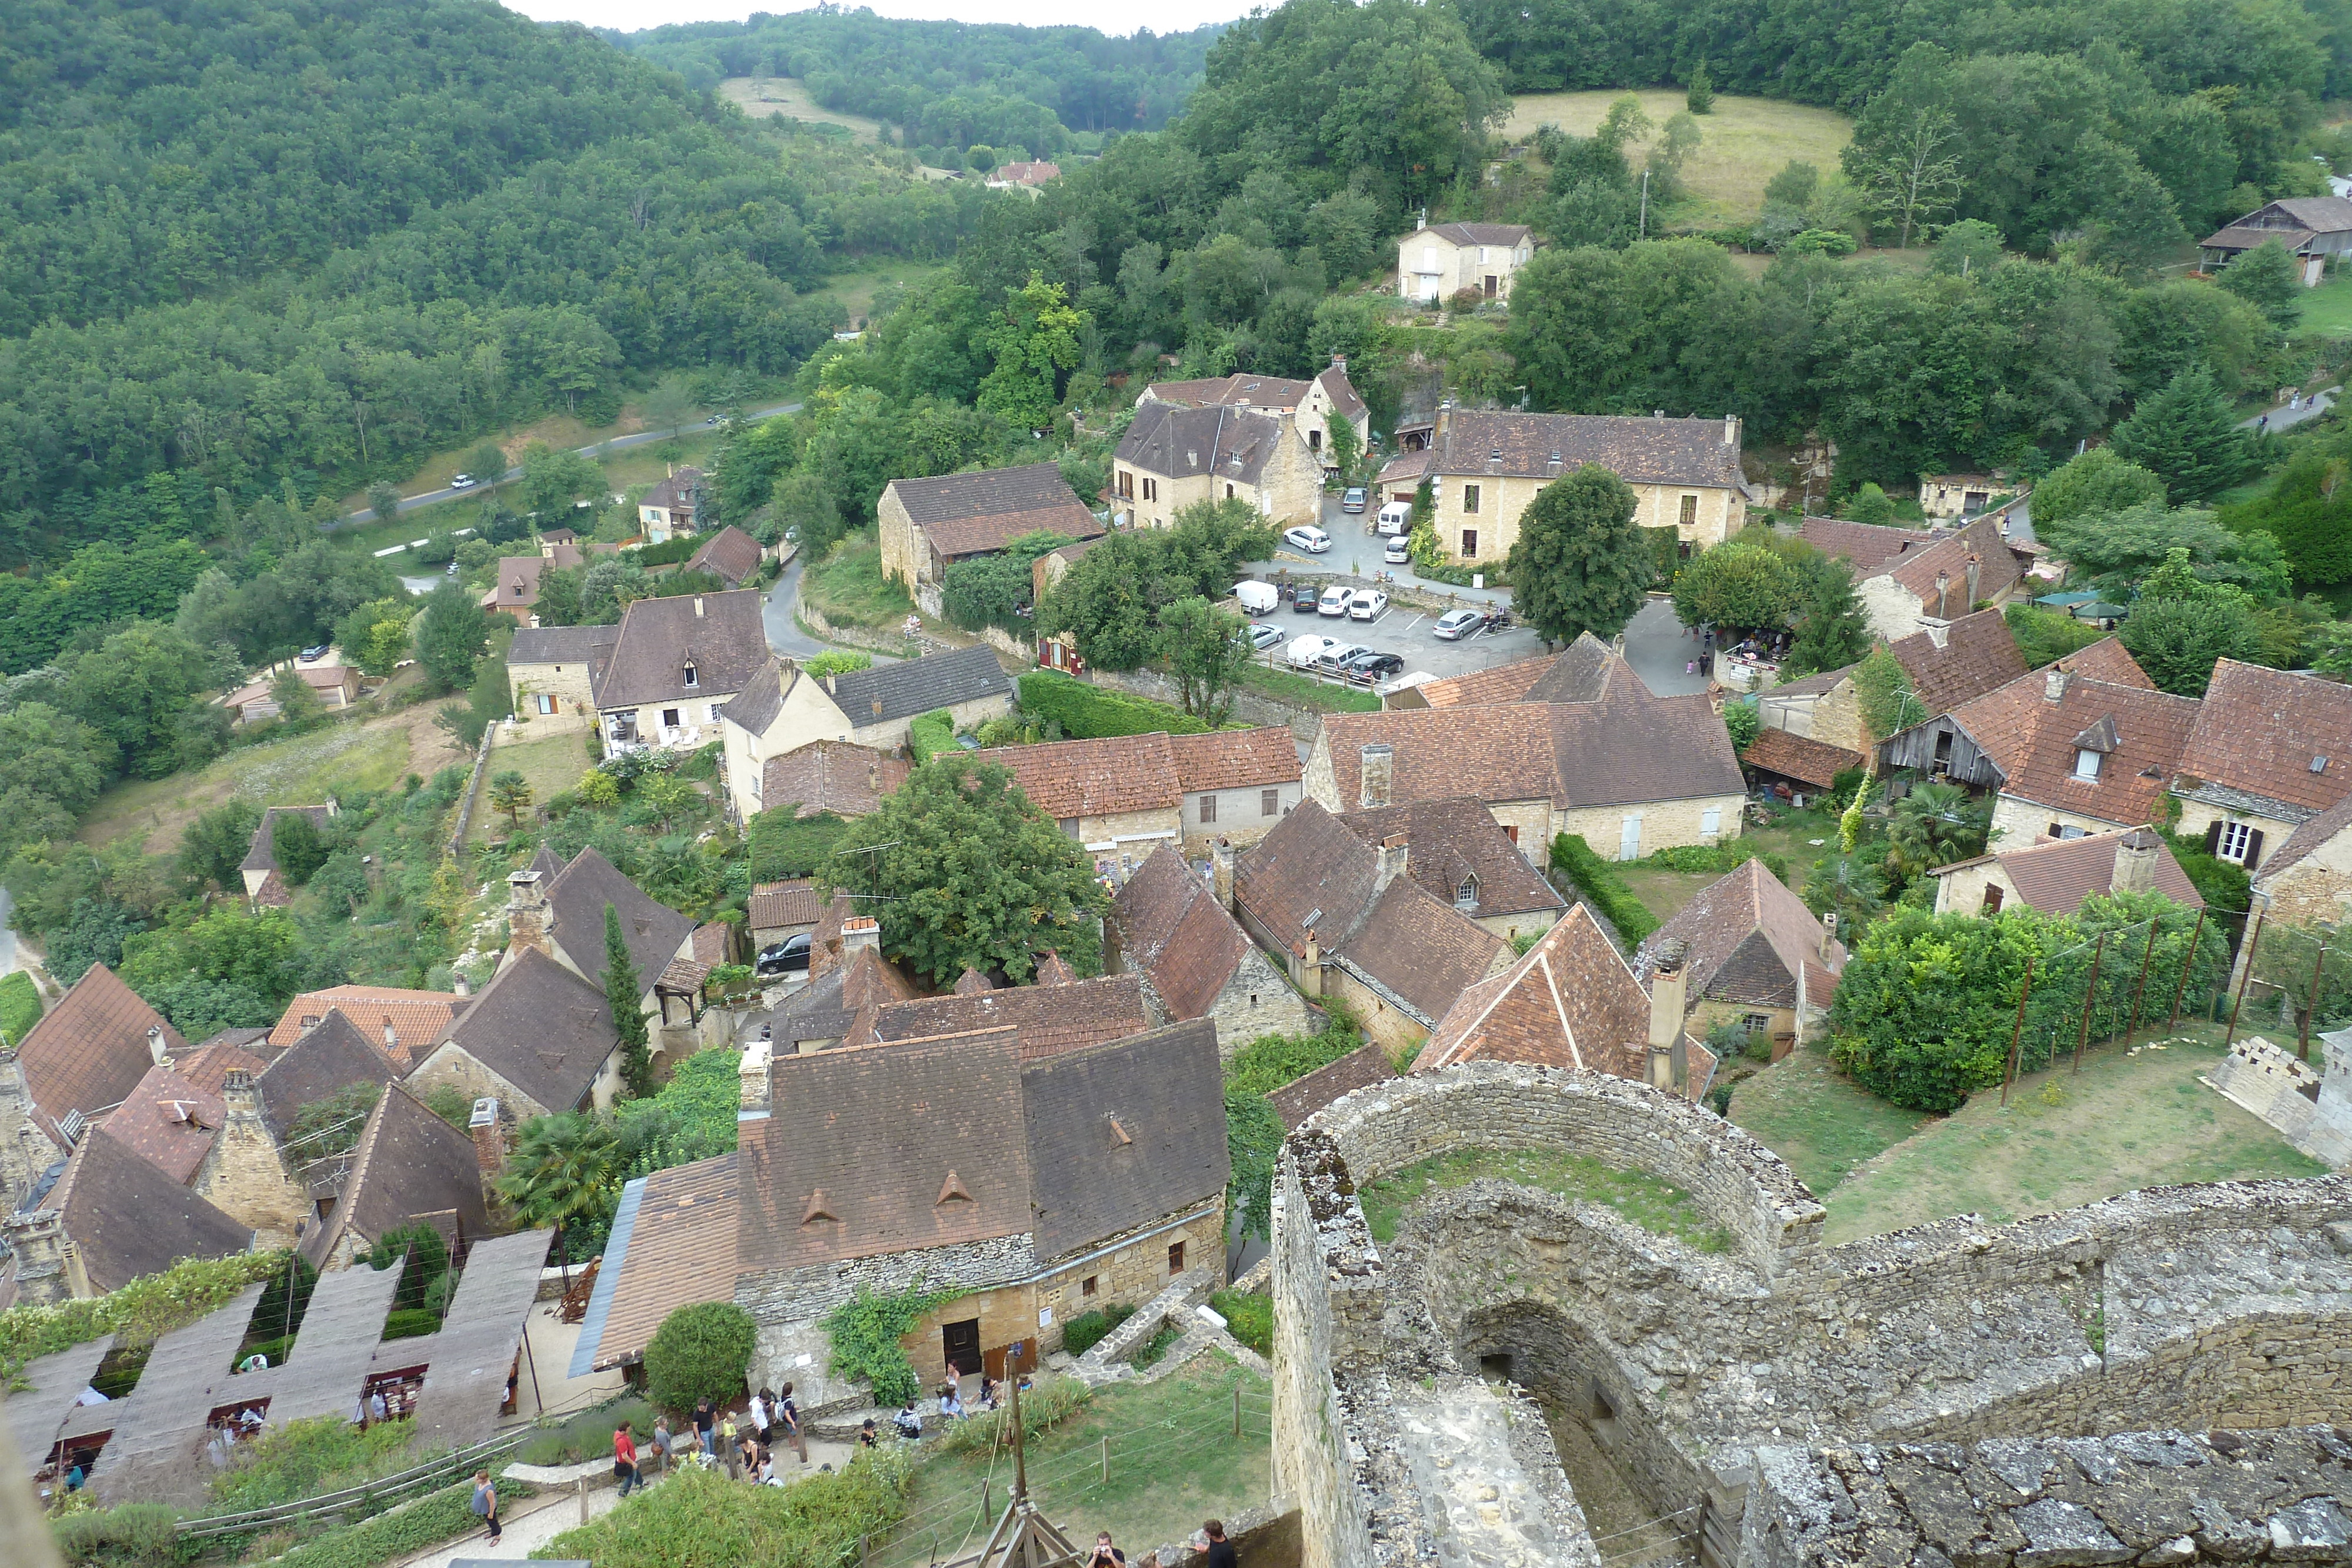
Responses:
[1643,232]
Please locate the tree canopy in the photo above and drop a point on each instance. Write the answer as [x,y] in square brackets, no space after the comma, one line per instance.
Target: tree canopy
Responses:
[1581,563]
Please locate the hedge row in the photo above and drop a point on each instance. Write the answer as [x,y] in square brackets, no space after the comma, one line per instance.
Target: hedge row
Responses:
[931,734]
[1092,713]
[1724,856]
[678,548]
[699,1516]
[431,1520]
[1605,889]
[20,1005]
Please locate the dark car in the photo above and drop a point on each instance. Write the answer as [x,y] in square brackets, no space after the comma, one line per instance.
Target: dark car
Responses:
[788,956]
[1304,599]
[1366,668]
[313,655]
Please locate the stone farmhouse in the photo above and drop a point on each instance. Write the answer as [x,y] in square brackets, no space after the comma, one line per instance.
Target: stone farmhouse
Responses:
[1753,954]
[2307,880]
[539,1040]
[328,1057]
[672,508]
[783,710]
[1036,1186]
[1173,928]
[836,777]
[110,1216]
[1123,797]
[1434,264]
[1909,580]
[1175,455]
[675,665]
[1313,406]
[553,671]
[1949,663]
[2269,752]
[1457,855]
[928,524]
[2055,876]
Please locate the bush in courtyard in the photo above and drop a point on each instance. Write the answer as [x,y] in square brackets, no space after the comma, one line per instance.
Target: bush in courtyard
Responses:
[1603,888]
[1045,1402]
[700,1352]
[698,1516]
[1088,1329]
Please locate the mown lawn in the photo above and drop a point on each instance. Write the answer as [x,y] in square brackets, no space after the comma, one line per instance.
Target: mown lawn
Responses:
[848,587]
[1656,1206]
[548,765]
[1821,1122]
[1743,144]
[2327,309]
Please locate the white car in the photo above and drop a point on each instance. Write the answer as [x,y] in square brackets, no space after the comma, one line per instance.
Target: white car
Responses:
[461,482]
[1306,652]
[1335,600]
[1314,541]
[1399,553]
[1370,605]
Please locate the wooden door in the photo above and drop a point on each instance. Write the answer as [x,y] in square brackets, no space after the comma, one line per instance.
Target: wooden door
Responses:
[960,1344]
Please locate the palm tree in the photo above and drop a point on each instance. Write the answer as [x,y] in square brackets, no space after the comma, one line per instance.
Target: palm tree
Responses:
[509,792]
[562,1171]
[1934,825]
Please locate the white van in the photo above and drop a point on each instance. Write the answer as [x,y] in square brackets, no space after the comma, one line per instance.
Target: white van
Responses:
[1396,517]
[1257,598]
[1304,652]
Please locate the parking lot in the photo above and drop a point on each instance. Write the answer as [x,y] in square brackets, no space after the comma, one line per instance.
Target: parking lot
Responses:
[1409,634]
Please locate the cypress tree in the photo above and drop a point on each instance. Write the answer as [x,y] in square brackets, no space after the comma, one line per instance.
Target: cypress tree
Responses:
[622,992]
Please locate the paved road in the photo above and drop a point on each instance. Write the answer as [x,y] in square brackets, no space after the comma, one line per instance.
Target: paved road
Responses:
[618,443]
[1657,647]
[7,935]
[2285,418]
[784,634]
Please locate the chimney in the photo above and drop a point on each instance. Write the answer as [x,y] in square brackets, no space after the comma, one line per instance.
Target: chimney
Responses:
[1394,849]
[156,1043]
[1421,222]
[1310,976]
[460,984]
[2135,854]
[1944,594]
[391,1039]
[38,1236]
[1976,570]
[1221,872]
[1828,934]
[1378,771]
[1731,430]
[697,606]
[2053,684]
[526,914]
[1668,988]
[831,683]
[1339,363]
[490,1137]
[878,707]
[752,1081]
[860,931]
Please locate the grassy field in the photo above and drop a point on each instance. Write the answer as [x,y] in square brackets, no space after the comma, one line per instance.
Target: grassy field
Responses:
[1664,891]
[2327,309]
[548,765]
[1819,1121]
[1173,1462]
[847,586]
[1745,142]
[760,97]
[856,289]
[1305,691]
[1655,1206]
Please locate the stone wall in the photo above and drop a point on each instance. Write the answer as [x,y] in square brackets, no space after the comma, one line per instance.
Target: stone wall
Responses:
[1249,706]
[1257,1000]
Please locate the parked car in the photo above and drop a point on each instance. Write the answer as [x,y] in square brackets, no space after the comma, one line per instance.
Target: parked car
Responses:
[788,956]
[1336,600]
[1366,668]
[461,482]
[1399,553]
[1396,517]
[313,655]
[1370,605]
[1302,597]
[1257,598]
[1306,652]
[1351,500]
[1456,623]
[1263,634]
[1335,659]
[1314,541]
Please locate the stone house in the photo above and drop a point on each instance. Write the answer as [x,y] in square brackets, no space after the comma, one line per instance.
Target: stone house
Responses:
[538,1040]
[408,1165]
[2269,751]
[2054,875]
[783,709]
[729,555]
[779,911]
[676,664]
[1174,456]
[1056,1013]
[1754,956]
[849,982]
[2307,880]
[1460,857]
[1313,406]
[552,673]
[1949,496]
[1588,750]
[1949,663]
[263,882]
[1172,926]
[673,507]
[401,1021]
[216,1144]
[84,1058]
[515,594]
[1573,1001]
[1346,920]
[1434,264]
[324,1059]
[925,526]
[1036,1187]
[1122,796]
[109,1217]
[560,910]
[1908,580]
[1485,466]
[836,777]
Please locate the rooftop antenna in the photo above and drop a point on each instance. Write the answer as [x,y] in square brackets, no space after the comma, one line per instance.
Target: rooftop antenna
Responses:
[1024,1537]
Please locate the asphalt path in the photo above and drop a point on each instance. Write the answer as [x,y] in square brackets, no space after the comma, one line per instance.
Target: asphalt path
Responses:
[618,443]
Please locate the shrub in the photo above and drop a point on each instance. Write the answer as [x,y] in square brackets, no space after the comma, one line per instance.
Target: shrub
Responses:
[1271,1060]
[1090,713]
[1046,1401]
[931,734]
[837,661]
[669,552]
[700,1352]
[20,1005]
[134,1535]
[137,1314]
[1729,854]
[430,1520]
[410,1322]
[1607,891]
[699,1516]
[428,1255]
[864,1333]
[1249,1318]
[1087,1330]
[1162,1340]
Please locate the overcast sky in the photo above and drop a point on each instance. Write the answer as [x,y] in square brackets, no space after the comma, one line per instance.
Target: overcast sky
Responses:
[1172,16]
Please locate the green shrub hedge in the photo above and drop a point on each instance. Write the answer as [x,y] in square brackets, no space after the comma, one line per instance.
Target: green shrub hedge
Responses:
[1249,1318]
[670,550]
[699,1516]
[1604,887]
[135,1535]
[1729,854]
[1087,1330]
[20,1005]
[1091,713]
[431,1520]
[931,734]
[700,1351]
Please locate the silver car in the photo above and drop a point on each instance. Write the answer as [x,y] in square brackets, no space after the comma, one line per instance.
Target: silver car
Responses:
[1456,623]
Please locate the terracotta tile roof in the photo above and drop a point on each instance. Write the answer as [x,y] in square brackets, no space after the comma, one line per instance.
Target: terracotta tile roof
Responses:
[408,1163]
[128,1218]
[2306,839]
[90,1051]
[1360,1069]
[1067,778]
[1495,683]
[323,1060]
[1404,465]
[684,976]
[726,642]
[1798,756]
[1036,171]
[1979,654]
[712,942]
[1451,843]
[2106,660]
[680,1251]
[168,1121]
[1235,758]
[778,903]
[1047,1018]
[1229,444]
[731,554]
[825,941]
[1506,235]
[576,900]
[518,584]
[2056,874]
[1997,570]
[1054,969]
[1172,928]
[1572,1001]
[887,693]
[414,1018]
[1639,451]
[2001,722]
[2272,736]
[259,853]
[836,776]
[2032,741]
[972,982]
[1585,671]
[1421,950]
[972,514]
[1747,937]
[1873,548]
[540,1026]
[208,1065]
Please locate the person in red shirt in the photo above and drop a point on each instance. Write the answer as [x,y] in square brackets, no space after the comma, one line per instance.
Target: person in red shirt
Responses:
[624,1459]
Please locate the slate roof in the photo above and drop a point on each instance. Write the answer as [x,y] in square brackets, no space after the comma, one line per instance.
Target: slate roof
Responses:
[1798,756]
[973,514]
[541,1028]
[260,854]
[1048,1018]
[1229,444]
[128,1218]
[731,554]
[324,1061]
[1449,843]
[589,646]
[1480,234]
[2056,874]
[575,902]
[1346,401]
[90,1051]
[778,903]
[2031,740]
[1360,1069]
[755,707]
[727,642]
[415,1018]
[1979,654]
[1747,938]
[675,491]
[408,1163]
[837,997]
[2261,733]
[681,1250]
[1122,1135]
[2306,839]
[836,776]
[518,584]
[168,1121]
[1172,929]
[1639,451]
[887,693]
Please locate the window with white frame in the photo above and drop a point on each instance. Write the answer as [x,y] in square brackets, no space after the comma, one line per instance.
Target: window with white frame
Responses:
[2234,840]
[2086,764]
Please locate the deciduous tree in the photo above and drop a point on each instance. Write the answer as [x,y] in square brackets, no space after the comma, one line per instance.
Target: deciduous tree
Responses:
[1581,563]
[1206,648]
[453,633]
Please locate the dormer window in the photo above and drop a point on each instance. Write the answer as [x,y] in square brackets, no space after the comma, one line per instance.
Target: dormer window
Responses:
[691,678]
[2086,765]
[1465,895]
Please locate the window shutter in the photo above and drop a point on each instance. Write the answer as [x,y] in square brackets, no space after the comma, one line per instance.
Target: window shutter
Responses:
[2213,836]
[2254,848]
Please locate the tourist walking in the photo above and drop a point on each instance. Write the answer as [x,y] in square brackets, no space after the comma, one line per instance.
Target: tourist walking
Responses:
[625,1460]
[486,1503]
[787,1417]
